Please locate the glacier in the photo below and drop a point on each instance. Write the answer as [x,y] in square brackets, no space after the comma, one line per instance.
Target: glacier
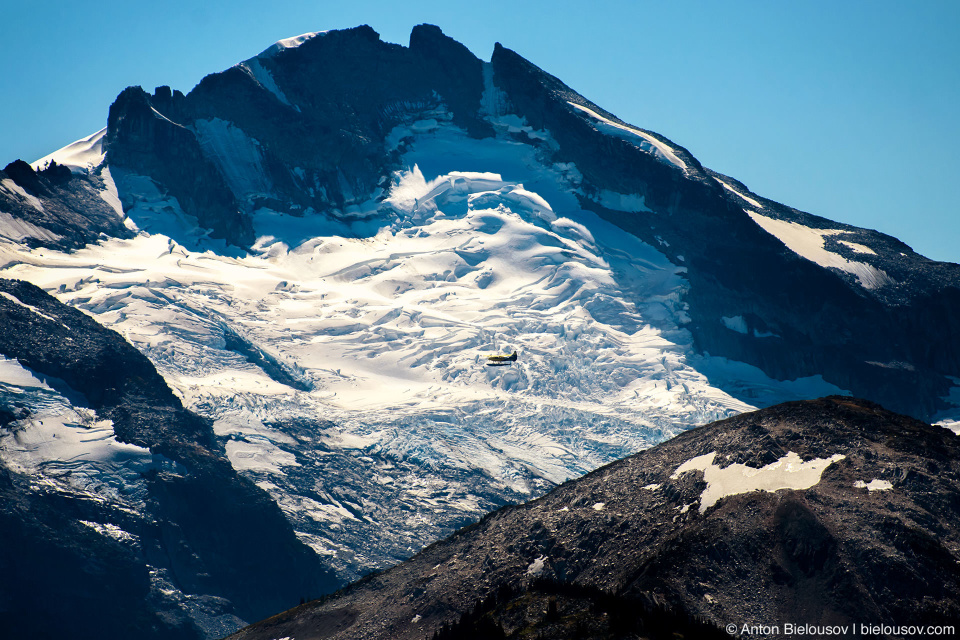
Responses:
[342,359]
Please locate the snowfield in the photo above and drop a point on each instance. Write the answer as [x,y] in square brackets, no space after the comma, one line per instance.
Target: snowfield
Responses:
[343,358]
[789,472]
[809,243]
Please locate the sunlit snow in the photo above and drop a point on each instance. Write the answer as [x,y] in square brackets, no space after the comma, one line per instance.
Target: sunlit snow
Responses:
[874,485]
[789,472]
[64,445]
[660,149]
[809,243]
[288,43]
[81,156]
[384,314]
[741,195]
[16,190]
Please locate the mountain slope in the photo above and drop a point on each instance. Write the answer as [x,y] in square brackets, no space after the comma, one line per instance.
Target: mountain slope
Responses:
[321,123]
[826,512]
[317,247]
[118,500]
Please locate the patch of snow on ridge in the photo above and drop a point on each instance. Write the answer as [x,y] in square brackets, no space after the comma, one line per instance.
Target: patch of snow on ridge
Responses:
[858,248]
[288,43]
[789,472]
[660,149]
[735,323]
[742,196]
[874,485]
[30,308]
[81,156]
[809,243]
[952,425]
[264,78]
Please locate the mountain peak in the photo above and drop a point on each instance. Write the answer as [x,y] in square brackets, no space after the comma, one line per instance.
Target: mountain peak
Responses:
[319,248]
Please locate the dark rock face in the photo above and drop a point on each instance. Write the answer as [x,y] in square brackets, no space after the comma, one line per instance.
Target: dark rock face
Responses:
[150,143]
[62,210]
[216,532]
[342,92]
[834,553]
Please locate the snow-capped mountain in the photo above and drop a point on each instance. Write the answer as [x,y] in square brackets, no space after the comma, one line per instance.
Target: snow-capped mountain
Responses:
[831,513]
[317,248]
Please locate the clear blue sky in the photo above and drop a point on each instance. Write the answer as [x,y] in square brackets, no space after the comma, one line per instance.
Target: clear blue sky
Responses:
[850,110]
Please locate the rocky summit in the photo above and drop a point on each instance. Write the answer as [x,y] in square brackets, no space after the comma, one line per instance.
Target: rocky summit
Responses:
[829,512]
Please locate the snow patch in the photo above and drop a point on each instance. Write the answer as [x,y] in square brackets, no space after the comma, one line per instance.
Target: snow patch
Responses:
[259,455]
[236,154]
[31,308]
[111,531]
[809,243]
[254,67]
[858,248]
[894,364]
[740,195]
[66,446]
[952,425]
[16,229]
[660,150]
[626,202]
[789,472]
[288,43]
[82,156]
[537,567]
[13,188]
[873,485]
[110,195]
[735,323]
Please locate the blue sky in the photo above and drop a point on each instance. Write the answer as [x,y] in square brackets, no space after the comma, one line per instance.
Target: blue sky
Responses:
[848,110]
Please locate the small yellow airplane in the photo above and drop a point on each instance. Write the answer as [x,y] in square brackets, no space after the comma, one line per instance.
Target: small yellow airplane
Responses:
[497,360]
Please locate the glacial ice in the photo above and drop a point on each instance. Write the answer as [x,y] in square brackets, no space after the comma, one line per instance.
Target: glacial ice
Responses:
[404,433]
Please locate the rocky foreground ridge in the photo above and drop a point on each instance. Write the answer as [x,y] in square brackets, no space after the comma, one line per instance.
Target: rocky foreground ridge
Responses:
[683,528]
